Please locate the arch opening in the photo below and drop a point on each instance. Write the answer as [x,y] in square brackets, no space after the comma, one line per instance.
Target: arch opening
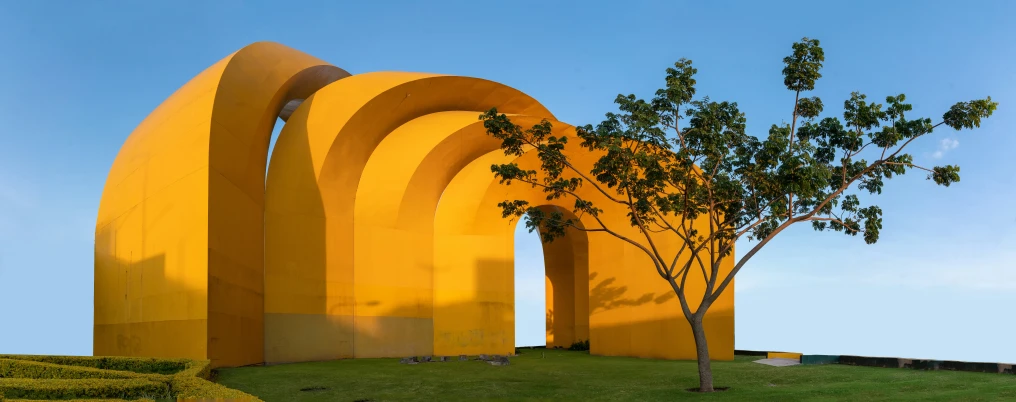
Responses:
[532,319]
[276,130]
[566,285]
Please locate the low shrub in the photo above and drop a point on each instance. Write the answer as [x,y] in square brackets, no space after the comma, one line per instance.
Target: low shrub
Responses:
[196,368]
[145,365]
[197,388]
[85,400]
[580,345]
[132,364]
[30,388]
[193,383]
[33,369]
[28,377]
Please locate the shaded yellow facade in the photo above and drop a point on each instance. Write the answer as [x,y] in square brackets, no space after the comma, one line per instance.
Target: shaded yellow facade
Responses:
[375,234]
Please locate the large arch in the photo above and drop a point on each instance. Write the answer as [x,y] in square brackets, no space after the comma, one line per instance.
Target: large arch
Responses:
[376,233]
[313,282]
[179,233]
[631,311]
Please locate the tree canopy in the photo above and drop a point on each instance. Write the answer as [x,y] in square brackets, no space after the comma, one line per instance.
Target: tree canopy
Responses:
[669,174]
[675,159]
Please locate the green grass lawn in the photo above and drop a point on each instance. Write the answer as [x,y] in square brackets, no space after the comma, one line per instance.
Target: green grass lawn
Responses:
[577,376]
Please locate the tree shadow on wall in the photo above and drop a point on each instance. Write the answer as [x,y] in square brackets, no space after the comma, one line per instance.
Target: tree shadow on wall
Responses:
[607,296]
[643,338]
[550,322]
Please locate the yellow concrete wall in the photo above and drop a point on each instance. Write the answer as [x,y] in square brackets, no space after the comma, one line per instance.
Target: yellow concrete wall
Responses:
[783,355]
[376,233]
[369,275]
[179,235]
[632,311]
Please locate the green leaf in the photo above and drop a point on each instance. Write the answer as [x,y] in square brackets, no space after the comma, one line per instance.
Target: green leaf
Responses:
[809,108]
[803,65]
[945,175]
[708,179]
[969,114]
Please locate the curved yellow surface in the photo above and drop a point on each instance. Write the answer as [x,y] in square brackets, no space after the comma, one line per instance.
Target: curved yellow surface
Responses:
[630,310]
[179,234]
[376,234]
[312,185]
[395,202]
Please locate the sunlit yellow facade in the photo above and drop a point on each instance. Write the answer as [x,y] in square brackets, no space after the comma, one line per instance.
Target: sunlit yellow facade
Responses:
[375,234]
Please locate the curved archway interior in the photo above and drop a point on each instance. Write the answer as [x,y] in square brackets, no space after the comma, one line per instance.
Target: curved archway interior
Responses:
[567,270]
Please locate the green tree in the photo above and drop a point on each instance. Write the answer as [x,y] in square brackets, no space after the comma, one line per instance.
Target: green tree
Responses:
[669,174]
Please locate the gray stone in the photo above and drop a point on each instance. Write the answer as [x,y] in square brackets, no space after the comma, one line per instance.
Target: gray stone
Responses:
[444,359]
[463,357]
[409,360]
[425,359]
[499,361]
[483,357]
[778,362]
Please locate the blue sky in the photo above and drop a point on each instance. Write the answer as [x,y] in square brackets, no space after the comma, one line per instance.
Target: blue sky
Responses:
[77,77]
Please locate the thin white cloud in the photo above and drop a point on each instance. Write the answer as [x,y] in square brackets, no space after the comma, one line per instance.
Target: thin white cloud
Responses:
[762,279]
[995,273]
[946,145]
[32,217]
[972,276]
[16,193]
[16,199]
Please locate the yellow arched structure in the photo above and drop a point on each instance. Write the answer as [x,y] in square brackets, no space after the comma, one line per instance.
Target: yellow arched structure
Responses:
[376,233]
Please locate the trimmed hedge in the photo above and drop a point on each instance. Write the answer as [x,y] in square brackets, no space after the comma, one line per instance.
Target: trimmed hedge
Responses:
[59,377]
[193,382]
[31,388]
[84,400]
[132,364]
[33,369]
[193,387]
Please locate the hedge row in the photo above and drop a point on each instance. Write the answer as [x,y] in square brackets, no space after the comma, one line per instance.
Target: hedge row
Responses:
[84,400]
[132,364]
[31,388]
[33,369]
[193,387]
[193,382]
[58,377]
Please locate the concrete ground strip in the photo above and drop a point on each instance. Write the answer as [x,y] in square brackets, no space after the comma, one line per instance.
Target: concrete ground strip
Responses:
[778,362]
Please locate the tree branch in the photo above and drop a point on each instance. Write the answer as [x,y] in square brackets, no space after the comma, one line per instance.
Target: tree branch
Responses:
[909,165]
[597,218]
[642,227]
[564,160]
[837,220]
[790,148]
[811,214]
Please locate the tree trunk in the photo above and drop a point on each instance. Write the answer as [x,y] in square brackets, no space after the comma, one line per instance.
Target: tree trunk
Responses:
[705,371]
